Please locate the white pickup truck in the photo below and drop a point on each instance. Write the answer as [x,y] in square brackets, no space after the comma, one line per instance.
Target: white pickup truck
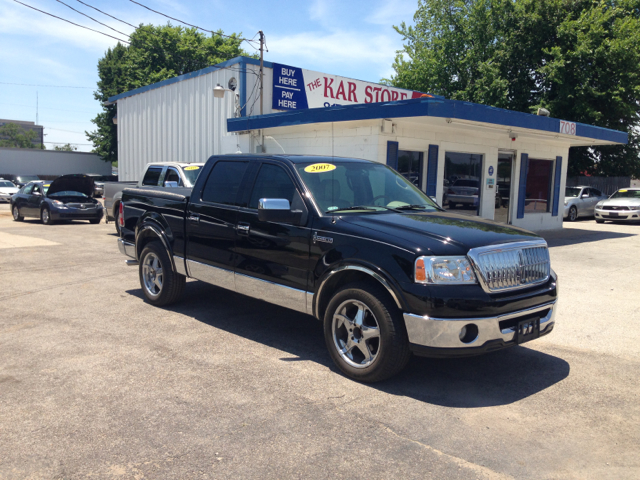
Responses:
[165,174]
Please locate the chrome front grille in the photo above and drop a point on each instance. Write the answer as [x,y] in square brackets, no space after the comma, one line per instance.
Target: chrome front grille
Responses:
[511,266]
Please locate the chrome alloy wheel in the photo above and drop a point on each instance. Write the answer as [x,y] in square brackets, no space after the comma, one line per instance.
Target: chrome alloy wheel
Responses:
[152,274]
[45,215]
[356,333]
[16,212]
[573,214]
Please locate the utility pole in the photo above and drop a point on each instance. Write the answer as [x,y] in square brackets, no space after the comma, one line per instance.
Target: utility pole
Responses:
[261,85]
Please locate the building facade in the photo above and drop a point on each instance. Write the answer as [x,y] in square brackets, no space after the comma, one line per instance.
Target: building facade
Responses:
[477,160]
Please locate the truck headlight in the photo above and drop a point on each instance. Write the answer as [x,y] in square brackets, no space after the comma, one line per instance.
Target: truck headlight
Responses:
[444,271]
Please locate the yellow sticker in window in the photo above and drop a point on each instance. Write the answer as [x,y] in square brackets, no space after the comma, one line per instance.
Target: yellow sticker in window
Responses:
[623,191]
[319,168]
[48,185]
[192,167]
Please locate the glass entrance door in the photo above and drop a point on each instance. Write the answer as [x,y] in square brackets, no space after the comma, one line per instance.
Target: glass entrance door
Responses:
[410,166]
[503,193]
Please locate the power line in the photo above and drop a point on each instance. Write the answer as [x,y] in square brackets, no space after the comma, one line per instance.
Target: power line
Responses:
[91,18]
[69,21]
[47,86]
[191,25]
[105,13]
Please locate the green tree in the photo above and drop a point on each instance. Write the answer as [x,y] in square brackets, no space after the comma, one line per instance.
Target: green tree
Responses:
[67,147]
[156,53]
[13,135]
[578,58]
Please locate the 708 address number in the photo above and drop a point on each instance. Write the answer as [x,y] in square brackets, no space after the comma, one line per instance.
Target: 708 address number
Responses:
[568,128]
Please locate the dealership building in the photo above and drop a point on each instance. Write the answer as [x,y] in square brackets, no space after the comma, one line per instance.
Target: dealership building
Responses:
[477,160]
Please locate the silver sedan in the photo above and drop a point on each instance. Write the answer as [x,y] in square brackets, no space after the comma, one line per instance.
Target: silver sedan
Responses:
[581,201]
[622,206]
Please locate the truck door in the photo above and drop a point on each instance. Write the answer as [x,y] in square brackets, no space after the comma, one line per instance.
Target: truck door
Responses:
[211,224]
[273,258]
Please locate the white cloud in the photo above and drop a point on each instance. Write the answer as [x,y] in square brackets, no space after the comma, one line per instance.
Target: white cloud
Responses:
[390,12]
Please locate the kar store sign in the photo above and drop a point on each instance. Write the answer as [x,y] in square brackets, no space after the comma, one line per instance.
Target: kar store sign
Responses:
[298,89]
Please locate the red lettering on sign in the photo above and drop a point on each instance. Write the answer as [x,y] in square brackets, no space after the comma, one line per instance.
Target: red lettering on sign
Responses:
[341,92]
[327,87]
[377,90]
[367,93]
[394,96]
[352,91]
[382,95]
[403,96]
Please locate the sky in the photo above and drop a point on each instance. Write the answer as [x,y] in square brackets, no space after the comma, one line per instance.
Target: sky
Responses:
[55,63]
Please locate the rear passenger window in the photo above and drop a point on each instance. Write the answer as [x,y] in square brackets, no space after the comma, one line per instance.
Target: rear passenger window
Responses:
[224,182]
[172,176]
[152,176]
[272,182]
[596,193]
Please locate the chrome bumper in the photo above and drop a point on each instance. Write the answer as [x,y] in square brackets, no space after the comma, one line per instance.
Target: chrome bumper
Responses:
[126,248]
[621,215]
[444,333]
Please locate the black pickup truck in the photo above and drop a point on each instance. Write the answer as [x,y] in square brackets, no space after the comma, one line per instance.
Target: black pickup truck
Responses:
[354,244]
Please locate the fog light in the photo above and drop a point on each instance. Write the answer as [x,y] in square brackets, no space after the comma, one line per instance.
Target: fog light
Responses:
[468,333]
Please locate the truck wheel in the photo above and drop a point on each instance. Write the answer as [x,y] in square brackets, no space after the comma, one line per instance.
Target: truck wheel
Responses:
[16,214]
[365,333]
[160,284]
[45,216]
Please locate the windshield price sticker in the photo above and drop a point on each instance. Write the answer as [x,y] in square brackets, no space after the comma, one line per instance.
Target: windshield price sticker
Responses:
[319,168]
[193,167]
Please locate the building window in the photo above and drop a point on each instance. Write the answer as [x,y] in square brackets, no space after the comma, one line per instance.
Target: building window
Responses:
[462,177]
[410,166]
[538,190]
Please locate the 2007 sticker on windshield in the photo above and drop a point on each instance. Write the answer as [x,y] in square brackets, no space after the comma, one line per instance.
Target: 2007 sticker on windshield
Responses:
[319,168]
[192,167]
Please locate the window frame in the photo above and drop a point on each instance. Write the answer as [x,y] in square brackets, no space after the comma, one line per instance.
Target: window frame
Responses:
[549,209]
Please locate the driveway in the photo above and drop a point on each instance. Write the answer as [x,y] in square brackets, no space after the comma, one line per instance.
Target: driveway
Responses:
[94,382]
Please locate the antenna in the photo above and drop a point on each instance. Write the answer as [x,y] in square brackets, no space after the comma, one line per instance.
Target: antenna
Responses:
[36,107]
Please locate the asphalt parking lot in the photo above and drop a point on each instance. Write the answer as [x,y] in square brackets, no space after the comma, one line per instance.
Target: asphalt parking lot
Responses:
[94,382]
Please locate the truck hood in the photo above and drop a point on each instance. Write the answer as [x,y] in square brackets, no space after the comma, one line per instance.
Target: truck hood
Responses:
[441,233]
[74,183]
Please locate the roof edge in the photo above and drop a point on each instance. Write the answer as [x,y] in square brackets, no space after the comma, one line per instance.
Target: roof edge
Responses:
[219,66]
[422,107]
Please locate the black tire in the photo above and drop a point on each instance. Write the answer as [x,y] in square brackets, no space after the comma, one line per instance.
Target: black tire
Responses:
[599,221]
[573,214]
[95,221]
[453,206]
[159,289]
[388,350]
[45,216]
[16,214]
[116,215]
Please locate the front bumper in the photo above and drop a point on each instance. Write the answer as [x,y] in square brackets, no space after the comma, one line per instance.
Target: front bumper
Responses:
[618,215]
[76,213]
[5,197]
[440,337]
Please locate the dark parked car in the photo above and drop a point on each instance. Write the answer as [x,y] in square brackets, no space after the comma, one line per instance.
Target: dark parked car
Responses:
[68,197]
[22,180]
[352,243]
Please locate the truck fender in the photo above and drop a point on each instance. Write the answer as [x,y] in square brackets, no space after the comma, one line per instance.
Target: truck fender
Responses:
[148,230]
[324,288]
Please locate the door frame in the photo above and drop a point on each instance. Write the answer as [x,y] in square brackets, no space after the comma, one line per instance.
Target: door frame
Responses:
[514,156]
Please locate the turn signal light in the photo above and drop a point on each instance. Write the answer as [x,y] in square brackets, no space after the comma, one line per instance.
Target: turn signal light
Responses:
[421,274]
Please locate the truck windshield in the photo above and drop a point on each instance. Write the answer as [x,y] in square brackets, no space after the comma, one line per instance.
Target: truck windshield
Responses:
[361,187]
[191,173]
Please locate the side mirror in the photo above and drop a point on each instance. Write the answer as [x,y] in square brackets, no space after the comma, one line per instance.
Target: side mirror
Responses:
[277,210]
[584,195]
[171,184]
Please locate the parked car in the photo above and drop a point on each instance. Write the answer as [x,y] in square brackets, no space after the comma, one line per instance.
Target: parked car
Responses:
[581,201]
[7,190]
[68,197]
[21,180]
[354,244]
[622,206]
[463,192]
[167,174]
[98,182]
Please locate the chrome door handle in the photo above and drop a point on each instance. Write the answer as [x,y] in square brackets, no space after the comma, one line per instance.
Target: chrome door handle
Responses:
[243,229]
[194,217]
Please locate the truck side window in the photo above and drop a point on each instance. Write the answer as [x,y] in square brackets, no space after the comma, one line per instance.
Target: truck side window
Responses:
[224,182]
[172,176]
[271,182]
[152,176]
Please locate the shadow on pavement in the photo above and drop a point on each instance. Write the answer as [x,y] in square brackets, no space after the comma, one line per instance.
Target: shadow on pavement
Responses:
[573,236]
[498,378]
